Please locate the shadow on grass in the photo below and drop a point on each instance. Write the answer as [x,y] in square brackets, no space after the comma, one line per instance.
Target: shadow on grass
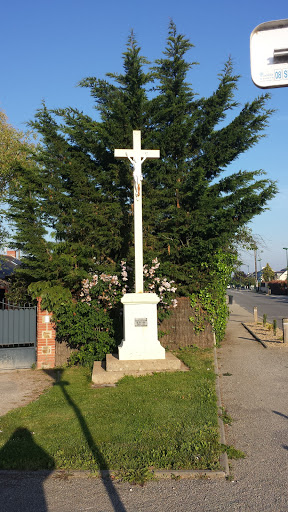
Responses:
[18,447]
[107,482]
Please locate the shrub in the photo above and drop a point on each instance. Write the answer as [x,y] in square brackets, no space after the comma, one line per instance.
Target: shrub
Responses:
[93,324]
[87,328]
[278,287]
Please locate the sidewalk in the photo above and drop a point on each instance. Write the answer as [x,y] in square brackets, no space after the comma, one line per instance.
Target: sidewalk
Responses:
[254,393]
[256,397]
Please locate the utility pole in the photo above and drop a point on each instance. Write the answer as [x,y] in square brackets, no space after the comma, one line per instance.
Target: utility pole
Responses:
[255,259]
[286,249]
[259,259]
[248,275]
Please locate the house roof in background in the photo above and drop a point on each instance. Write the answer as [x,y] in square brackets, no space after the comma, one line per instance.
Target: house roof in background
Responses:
[7,265]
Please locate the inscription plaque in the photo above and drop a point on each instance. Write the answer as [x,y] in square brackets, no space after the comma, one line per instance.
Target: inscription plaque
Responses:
[141,322]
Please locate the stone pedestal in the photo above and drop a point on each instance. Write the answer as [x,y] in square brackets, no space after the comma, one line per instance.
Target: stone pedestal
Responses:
[140,328]
[140,352]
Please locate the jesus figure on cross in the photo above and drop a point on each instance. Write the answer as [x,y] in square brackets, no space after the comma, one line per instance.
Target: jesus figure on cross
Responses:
[137,156]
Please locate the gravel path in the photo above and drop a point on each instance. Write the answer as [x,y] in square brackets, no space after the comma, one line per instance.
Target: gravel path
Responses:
[255,395]
[19,387]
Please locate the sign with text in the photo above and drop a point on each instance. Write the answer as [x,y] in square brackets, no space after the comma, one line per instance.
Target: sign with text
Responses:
[269,54]
[141,322]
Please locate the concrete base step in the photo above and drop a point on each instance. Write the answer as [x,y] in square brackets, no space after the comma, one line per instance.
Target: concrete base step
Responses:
[113,364]
[108,372]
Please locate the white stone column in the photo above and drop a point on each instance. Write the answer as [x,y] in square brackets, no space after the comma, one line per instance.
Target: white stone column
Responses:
[138,239]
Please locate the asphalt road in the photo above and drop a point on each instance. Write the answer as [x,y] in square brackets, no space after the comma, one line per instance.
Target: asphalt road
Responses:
[274,306]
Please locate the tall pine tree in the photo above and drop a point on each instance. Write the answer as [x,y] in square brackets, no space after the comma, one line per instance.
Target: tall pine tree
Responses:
[191,210]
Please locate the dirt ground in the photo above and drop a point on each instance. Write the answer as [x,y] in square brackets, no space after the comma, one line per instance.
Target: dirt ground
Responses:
[19,387]
[266,334]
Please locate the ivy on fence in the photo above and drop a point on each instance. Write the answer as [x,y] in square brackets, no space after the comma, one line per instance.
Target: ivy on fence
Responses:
[210,301]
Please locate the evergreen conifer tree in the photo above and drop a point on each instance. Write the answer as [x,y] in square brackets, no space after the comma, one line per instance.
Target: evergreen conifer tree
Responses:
[268,273]
[191,210]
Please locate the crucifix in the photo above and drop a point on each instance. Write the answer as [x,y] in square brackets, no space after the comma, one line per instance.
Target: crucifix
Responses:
[137,156]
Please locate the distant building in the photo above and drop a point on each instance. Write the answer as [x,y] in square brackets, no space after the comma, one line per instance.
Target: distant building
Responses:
[259,275]
[8,264]
[281,275]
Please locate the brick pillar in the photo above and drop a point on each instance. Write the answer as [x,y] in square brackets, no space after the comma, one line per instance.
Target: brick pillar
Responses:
[46,337]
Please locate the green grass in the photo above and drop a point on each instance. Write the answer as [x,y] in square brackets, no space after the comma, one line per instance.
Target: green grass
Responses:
[167,421]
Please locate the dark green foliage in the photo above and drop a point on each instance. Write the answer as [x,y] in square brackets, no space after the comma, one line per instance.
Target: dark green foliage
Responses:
[267,273]
[195,211]
[87,328]
[278,287]
[73,210]
[209,301]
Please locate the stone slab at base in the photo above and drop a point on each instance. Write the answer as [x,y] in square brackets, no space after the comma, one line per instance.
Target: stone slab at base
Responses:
[109,372]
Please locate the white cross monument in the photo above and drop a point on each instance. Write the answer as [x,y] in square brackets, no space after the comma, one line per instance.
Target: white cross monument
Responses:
[140,309]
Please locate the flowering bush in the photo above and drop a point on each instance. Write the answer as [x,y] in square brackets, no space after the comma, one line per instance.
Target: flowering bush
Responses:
[107,289]
[93,325]
[104,288]
[159,285]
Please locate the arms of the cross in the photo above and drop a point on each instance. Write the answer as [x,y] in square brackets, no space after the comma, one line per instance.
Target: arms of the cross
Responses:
[137,156]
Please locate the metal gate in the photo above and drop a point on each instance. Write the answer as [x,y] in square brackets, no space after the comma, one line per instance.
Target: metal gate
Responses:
[17,336]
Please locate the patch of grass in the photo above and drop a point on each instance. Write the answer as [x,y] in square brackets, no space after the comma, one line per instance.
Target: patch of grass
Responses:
[226,418]
[136,476]
[167,421]
[232,453]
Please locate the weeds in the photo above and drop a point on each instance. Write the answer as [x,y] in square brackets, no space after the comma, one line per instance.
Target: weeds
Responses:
[226,418]
[232,453]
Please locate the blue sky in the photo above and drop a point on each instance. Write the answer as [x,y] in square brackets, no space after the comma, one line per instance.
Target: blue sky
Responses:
[47,47]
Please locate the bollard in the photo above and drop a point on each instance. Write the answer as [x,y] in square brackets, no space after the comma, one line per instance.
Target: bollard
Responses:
[230,299]
[255,311]
[285,329]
